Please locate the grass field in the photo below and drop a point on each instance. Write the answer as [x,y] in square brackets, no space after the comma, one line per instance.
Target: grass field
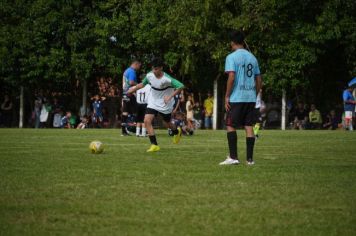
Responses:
[303,183]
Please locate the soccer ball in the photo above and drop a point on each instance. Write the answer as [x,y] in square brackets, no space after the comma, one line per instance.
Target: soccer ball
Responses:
[96,147]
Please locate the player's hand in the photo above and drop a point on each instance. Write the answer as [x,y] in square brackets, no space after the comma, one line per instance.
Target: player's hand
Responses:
[227,104]
[166,99]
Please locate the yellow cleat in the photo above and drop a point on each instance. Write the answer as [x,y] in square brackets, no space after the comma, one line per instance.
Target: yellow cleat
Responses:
[154,148]
[176,138]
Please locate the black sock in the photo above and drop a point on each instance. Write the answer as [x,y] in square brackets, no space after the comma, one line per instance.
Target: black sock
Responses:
[175,131]
[232,141]
[250,143]
[153,139]
[123,124]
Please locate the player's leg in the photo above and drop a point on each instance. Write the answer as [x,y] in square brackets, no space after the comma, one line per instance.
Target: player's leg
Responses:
[124,116]
[250,136]
[231,122]
[138,128]
[348,120]
[149,117]
[144,132]
[250,143]
[141,110]
[176,131]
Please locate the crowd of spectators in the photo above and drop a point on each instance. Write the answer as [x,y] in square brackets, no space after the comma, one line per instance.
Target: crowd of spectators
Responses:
[195,109]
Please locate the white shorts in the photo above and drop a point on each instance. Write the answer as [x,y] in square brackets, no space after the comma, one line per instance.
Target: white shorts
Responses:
[348,115]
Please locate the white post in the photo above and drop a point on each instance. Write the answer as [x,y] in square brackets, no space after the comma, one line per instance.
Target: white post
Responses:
[283,121]
[215,111]
[21,108]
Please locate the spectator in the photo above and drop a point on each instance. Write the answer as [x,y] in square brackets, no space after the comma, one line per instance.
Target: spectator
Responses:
[37,110]
[332,122]
[178,100]
[349,107]
[208,111]
[97,116]
[197,114]
[315,120]
[300,117]
[112,105]
[189,108]
[6,111]
[56,114]
[45,110]
[65,121]
[83,123]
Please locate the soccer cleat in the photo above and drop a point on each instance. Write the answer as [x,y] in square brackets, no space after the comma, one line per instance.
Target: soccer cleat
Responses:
[176,137]
[230,161]
[250,162]
[154,148]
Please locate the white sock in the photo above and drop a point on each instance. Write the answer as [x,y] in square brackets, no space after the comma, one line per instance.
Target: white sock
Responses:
[143,131]
[138,130]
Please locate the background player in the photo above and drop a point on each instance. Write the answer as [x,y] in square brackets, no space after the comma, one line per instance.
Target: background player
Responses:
[160,101]
[244,80]
[128,100]
[142,99]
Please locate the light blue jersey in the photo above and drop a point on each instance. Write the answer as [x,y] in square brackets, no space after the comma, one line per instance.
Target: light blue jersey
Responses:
[245,66]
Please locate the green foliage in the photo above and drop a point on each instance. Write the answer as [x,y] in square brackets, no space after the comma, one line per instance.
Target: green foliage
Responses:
[65,40]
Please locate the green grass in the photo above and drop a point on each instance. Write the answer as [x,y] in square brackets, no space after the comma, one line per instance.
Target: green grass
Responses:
[303,183]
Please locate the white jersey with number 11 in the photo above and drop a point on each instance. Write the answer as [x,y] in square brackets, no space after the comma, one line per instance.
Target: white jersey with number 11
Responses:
[143,94]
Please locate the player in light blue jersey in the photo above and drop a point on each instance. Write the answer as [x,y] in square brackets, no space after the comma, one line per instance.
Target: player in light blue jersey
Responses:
[244,80]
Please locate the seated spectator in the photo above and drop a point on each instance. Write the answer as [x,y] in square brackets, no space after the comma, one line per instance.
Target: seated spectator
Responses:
[83,123]
[315,120]
[332,122]
[180,120]
[65,122]
[300,117]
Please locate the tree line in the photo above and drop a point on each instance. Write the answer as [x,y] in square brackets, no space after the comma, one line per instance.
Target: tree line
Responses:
[305,47]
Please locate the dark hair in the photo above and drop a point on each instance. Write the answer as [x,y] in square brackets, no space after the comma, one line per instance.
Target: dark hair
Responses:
[237,37]
[157,62]
[135,60]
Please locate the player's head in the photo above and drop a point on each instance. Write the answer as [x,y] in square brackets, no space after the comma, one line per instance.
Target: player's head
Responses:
[312,107]
[157,66]
[209,94]
[237,39]
[136,64]
[96,97]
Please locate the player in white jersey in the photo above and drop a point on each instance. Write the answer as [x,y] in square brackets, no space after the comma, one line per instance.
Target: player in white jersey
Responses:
[142,99]
[160,101]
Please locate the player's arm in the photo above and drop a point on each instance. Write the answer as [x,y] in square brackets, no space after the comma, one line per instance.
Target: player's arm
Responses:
[135,88]
[138,86]
[258,82]
[229,86]
[178,86]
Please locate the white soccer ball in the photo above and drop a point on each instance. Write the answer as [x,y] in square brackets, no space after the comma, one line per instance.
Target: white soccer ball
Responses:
[96,147]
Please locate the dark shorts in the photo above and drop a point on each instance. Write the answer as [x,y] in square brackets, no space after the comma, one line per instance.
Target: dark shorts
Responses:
[257,116]
[165,117]
[141,111]
[241,114]
[129,104]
